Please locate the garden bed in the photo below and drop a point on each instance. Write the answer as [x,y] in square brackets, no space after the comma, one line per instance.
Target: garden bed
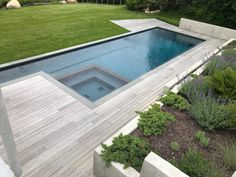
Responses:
[183,132]
[194,130]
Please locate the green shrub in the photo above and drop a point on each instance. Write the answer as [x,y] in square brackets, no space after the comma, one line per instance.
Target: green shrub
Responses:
[223,83]
[193,164]
[191,88]
[175,101]
[229,156]
[215,171]
[174,146]
[231,121]
[218,64]
[201,137]
[3,3]
[229,52]
[154,121]
[209,113]
[135,4]
[128,150]
[231,45]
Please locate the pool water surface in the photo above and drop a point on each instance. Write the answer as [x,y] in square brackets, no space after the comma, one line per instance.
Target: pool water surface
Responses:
[128,58]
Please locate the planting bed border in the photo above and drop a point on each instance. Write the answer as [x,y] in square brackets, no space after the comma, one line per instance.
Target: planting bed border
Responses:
[153,165]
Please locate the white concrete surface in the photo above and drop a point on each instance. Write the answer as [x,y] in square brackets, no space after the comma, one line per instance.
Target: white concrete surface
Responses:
[155,166]
[234,175]
[8,139]
[5,171]
[207,29]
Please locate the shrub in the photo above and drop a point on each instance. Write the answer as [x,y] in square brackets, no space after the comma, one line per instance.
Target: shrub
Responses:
[3,3]
[135,4]
[190,88]
[201,137]
[215,171]
[231,121]
[193,163]
[154,121]
[128,150]
[229,52]
[174,146]
[175,101]
[229,156]
[209,113]
[218,64]
[223,83]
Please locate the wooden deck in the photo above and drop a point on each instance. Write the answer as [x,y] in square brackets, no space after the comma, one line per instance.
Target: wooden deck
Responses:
[56,134]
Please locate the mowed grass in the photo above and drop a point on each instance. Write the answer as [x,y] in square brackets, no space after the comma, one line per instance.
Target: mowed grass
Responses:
[35,30]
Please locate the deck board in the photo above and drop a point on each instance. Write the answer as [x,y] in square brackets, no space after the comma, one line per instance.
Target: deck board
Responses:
[56,134]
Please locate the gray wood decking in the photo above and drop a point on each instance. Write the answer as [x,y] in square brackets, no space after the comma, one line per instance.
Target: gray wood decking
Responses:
[56,134]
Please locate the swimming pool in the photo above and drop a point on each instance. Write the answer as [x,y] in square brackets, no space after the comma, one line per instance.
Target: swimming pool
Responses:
[98,70]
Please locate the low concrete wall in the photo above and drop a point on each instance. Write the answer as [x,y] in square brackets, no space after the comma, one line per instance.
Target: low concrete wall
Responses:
[155,166]
[207,29]
[5,171]
[116,169]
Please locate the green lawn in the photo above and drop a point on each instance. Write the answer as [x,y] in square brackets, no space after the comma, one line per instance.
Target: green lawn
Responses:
[35,30]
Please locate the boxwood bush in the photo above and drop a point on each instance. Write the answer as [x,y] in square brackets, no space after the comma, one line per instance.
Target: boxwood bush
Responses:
[223,83]
[154,121]
[175,101]
[128,150]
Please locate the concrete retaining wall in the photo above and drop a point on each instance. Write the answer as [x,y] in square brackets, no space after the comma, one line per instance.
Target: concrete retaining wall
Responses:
[155,166]
[207,29]
[5,171]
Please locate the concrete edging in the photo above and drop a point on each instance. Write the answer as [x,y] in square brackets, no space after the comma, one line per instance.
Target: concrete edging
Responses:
[207,29]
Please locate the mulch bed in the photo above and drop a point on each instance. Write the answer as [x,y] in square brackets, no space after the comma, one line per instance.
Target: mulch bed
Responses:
[183,131]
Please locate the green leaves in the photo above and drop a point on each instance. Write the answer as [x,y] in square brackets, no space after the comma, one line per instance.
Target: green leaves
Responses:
[175,101]
[128,150]
[154,121]
[209,113]
[201,137]
[194,164]
[223,83]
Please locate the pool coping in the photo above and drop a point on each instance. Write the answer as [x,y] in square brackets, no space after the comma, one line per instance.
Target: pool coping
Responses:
[116,92]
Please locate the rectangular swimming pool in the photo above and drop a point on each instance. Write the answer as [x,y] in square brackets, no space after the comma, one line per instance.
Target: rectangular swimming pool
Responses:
[98,70]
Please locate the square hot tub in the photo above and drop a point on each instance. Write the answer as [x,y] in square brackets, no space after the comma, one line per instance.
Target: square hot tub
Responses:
[93,82]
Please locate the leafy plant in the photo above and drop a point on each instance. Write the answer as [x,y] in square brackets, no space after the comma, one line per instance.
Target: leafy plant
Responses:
[199,85]
[135,4]
[154,121]
[209,112]
[218,64]
[223,83]
[201,137]
[3,3]
[231,121]
[174,146]
[128,150]
[175,101]
[229,156]
[215,171]
[229,52]
[193,163]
